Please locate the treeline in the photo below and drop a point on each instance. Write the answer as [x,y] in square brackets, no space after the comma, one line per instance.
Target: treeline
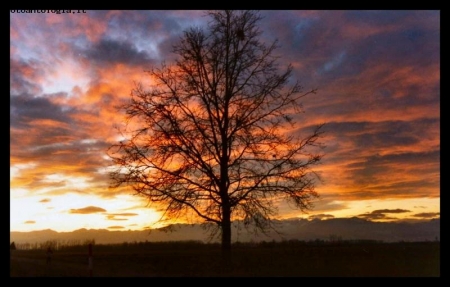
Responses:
[55,245]
[76,245]
[79,245]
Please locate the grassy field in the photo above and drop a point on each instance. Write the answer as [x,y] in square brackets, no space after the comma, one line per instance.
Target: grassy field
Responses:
[295,259]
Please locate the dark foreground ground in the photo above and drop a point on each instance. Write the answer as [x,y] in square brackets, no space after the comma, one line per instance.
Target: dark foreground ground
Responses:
[263,260]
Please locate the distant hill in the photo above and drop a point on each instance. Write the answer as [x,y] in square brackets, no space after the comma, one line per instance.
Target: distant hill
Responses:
[297,229]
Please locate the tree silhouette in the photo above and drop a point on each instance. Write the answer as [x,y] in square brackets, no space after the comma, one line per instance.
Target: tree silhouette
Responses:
[209,137]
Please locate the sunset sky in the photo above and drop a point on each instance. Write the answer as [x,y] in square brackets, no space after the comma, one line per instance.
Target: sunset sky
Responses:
[378,80]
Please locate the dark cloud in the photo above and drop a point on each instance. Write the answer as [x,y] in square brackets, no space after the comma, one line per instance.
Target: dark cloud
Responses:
[153,31]
[390,40]
[371,168]
[25,76]
[147,24]
[379,18]
[296,33]
[394,132]
[375,216]
[109,51]
[25,108]
[166,48]
[427,214]
[84,155]
[398,210]
[385,138]
[422,27]
[87,210]
[30,222]
[334,49]
[45,200]
[381,214]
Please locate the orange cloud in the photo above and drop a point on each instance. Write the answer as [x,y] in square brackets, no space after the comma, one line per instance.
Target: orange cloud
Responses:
[115,227]
[123,214]
[116,216]
[87,210]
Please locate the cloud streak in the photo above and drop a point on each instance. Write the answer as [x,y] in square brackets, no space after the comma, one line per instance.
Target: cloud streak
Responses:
[383,211]
[116,227]
[427,214]
[87,210]
[119,216]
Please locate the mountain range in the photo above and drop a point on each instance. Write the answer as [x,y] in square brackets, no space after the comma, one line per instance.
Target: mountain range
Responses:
[290,229]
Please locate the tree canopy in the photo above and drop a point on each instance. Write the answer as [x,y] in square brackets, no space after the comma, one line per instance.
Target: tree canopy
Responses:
[210,137]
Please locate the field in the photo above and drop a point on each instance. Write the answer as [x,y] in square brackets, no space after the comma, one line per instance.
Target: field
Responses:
[272,259]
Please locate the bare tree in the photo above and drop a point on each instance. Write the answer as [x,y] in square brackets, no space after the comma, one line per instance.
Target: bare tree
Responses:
[209,136]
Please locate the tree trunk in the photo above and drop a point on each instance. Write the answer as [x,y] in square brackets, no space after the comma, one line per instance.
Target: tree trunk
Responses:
[226,240]
[226,228]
